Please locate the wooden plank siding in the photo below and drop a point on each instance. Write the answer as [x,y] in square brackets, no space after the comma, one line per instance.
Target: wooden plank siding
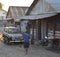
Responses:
[42,8]
[54,27]
[39,29]
[51,29]
[43,28]
[32,26]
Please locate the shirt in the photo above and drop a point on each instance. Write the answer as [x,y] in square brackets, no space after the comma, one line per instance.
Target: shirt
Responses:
[26,37]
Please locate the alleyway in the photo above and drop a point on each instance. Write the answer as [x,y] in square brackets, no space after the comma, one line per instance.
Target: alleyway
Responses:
[18,51]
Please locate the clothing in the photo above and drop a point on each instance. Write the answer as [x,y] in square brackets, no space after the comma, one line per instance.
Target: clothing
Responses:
[26,37]
[26,45]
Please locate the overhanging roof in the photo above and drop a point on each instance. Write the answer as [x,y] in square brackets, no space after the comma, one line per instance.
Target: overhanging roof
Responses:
[40,16]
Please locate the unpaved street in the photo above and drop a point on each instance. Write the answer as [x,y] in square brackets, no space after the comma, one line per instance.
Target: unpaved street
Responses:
[18,51]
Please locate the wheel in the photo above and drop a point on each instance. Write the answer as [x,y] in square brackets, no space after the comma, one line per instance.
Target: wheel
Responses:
[6,40]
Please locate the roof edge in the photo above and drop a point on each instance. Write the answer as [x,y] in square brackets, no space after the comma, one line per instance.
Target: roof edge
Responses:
[32,6]
[20,6]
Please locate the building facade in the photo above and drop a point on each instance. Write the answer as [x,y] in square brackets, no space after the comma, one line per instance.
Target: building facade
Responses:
[44,18]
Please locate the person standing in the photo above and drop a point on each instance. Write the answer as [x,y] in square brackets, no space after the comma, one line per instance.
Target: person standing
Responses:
[26,37]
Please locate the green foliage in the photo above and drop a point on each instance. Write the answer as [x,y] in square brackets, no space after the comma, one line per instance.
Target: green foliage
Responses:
[1,5]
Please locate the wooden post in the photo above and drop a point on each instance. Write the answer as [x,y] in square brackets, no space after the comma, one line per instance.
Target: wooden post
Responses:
[32,40]
[39,29]
[47,29]
[54,28]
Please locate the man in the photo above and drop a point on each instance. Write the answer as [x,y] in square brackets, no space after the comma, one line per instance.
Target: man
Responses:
[26,37]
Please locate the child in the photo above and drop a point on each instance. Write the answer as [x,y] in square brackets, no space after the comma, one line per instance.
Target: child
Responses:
[26,37]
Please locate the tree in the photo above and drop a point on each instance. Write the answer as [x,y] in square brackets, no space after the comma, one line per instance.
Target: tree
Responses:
[1,5]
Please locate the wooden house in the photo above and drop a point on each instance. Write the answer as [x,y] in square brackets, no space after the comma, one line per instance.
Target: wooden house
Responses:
[15,12]
[45,19]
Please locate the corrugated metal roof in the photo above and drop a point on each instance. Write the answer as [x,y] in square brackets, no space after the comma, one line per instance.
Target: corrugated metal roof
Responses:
[16,11]
[55,4]
[53,1]
[41,16]
[49,9]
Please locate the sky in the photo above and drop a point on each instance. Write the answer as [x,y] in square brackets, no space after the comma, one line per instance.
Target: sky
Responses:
[7,3]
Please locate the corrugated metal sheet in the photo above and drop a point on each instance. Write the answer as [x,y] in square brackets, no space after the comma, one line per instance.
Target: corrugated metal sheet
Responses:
[41,16]
[55,4]
[16,11]
[53,1]
[42,7]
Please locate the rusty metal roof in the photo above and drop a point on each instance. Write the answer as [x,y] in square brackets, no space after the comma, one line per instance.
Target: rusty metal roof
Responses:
[16,11]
